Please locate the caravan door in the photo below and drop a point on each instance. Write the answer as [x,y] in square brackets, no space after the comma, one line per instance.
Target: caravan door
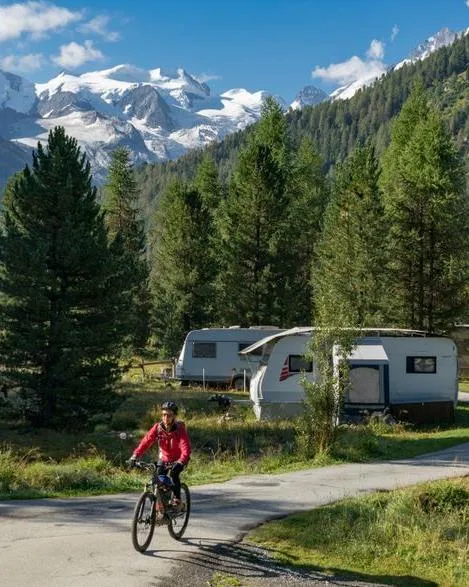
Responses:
[368,377]
[364,385]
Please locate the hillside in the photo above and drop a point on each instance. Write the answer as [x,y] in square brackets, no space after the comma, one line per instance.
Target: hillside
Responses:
[336,126]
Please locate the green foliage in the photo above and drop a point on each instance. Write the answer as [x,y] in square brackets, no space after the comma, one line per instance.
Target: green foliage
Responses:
[32,478]
[267,227]
[127,235]
[182,271]
[60,304]
[349,278]
[251,234]
[427,209]
[412,536]
[318,424]
[336,127]
[222,447]
[308,195]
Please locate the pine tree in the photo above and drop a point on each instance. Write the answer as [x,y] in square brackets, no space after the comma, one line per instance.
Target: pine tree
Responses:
[308,196]
[60,304]
[127,236]
[423,184]
[182,271]
[251,228]
[271,130]
[349,278]
[208,185]
[252,223]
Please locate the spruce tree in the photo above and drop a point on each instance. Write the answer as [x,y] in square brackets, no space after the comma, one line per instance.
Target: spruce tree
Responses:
[272,130]
[251,228]
[308,196]
[252,222]
[60,304]
[182,271]
[127,235]
[427,209]
[349,273]
[208,185]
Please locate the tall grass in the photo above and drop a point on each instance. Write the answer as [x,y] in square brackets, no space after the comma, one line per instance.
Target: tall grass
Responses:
[47,462]
[27,477]
[401,537]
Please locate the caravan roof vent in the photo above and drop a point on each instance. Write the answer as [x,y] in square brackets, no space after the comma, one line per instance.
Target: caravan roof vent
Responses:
[235,326]
[264,327]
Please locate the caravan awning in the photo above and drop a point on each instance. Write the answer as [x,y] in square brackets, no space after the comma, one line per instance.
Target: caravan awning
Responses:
[277,336]
[368,352]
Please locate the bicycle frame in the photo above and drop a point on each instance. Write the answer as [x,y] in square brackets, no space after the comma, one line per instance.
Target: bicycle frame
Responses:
[153,508]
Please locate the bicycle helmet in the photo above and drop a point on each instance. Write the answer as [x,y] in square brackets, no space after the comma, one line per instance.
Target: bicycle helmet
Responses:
[172,406]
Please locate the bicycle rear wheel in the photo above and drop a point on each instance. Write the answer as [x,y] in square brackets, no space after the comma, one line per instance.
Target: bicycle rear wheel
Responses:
[178,520]
[143,524]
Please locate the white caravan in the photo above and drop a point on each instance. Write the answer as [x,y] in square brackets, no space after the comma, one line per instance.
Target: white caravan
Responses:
[413,374]
[211,355]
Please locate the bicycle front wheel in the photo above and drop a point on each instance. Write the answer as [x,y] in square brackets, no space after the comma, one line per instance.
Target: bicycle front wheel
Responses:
[143,524]
[179,519]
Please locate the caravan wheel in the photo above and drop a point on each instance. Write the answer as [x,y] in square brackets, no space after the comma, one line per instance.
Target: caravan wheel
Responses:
[238,383]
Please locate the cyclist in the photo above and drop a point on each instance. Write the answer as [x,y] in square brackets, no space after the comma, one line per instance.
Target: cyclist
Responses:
[174,447]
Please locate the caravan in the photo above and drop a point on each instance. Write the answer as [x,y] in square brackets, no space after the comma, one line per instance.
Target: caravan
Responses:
[211,355]
[414,374]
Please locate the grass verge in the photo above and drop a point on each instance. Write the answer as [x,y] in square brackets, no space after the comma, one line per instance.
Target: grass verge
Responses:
[47,463]
[414,536]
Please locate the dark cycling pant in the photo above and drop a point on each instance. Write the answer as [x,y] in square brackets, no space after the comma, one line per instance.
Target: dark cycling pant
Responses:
[173,471]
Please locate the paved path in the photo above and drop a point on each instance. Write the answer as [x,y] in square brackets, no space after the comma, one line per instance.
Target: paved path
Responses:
[85,542]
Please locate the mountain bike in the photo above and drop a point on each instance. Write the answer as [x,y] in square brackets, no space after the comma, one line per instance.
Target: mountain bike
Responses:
[154,508]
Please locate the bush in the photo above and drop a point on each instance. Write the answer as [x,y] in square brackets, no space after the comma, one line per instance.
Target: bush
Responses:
[444,497]
[9,470]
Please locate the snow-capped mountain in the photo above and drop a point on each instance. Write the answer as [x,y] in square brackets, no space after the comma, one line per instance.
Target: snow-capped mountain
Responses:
[16,93]
[441,39]
[158,114]
[308,96]
[347,91]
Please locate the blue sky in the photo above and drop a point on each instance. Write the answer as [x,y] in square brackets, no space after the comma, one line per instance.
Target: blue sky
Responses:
[274,45]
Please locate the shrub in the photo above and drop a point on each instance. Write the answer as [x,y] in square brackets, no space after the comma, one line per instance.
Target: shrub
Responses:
[444,497]
[8,470]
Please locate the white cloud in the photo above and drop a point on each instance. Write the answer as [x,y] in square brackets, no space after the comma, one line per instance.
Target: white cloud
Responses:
[467,3]
[376,50]
[99,26]
[355,68]
[395,31]
[35,18]
[29,62]
[73,55]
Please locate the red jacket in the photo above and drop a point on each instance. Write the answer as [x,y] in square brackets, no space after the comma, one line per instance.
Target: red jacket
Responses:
[174,445]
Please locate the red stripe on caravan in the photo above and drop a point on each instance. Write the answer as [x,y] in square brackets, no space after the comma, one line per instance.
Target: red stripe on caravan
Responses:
[284,373]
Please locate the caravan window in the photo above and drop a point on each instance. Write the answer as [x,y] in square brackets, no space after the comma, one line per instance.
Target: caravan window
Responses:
[421,364]
[244,345]
[297,363]
[204,350]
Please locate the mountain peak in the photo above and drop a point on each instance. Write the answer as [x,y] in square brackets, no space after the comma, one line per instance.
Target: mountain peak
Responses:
[16,92]
[125,73]
[442,38]
[158,114]
[308,96]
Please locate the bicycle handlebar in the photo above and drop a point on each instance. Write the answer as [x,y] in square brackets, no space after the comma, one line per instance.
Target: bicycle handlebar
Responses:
[145,466]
